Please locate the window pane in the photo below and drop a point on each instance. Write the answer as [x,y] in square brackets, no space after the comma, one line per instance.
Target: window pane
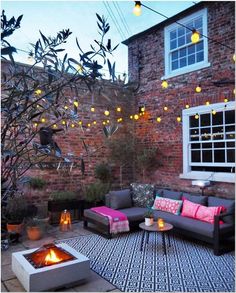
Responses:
[194,134]
[230,117]
[188,37]
[174,55]
[182,62]
[207,145]
[206,156]
[219,145]
[231,156]
[191,59]
[230,136]
[191,49]
[219,156]
[182,52]
[206,133]
[195,156]
[181,31]
[173,44]
[217,119]
[199,46]
[181,41]
[231,144]
[200,57]
[205,119]
[173,35]
[230,128]
[190,25]
[174,65]
[198,23]
[195,146]
[193,122]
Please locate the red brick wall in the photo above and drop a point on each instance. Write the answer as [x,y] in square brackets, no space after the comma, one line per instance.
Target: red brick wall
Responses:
[146,65]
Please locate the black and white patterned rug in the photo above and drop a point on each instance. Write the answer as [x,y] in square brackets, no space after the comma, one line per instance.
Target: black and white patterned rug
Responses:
[187,266]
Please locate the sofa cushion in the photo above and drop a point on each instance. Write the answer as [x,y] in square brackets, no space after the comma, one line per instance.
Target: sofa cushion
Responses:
[229,204]
[195,198]
[207,214]
[120,199]
[171,194]
[89,214]
[168,205]
[142,194]
[134,213]
[189,209]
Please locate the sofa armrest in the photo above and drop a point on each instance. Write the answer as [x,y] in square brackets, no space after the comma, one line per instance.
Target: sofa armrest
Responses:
[107,200]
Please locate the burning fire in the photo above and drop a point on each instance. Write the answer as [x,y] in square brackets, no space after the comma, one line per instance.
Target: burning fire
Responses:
[51,258]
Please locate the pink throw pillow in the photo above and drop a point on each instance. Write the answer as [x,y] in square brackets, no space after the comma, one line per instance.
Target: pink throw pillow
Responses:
[167,205]
[189,209]
[207,214]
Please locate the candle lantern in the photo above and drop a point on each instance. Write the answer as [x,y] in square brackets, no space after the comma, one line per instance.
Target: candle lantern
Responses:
[160,223]
[65,221]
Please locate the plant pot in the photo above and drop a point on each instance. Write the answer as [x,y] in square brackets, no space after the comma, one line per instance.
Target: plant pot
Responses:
[15,228]
[34,233]
[149,221]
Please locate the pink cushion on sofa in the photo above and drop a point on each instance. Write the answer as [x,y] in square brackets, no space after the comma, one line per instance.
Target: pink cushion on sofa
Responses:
[167,205]
[189,209]
[207,214]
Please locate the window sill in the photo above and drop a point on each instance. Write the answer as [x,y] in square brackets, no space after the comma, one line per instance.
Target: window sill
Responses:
[187,70]
[211,176]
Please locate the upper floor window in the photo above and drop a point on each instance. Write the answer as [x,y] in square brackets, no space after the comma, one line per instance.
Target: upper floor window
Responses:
[181,56]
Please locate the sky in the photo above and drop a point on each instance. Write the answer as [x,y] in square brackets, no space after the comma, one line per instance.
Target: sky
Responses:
[80,17]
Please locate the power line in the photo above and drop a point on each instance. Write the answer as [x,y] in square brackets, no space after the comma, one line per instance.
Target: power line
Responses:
[116,23]
[122,18]
[191,29]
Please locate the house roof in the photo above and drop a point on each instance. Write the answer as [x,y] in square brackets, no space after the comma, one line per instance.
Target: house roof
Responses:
[170,20]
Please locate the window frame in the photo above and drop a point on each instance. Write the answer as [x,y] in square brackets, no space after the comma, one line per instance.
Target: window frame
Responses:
[202,175]
[196,66]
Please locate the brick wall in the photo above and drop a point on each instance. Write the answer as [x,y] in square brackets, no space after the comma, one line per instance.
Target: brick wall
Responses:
[146,66]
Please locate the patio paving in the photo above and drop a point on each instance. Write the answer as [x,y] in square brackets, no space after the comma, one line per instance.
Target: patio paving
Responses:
[9,282]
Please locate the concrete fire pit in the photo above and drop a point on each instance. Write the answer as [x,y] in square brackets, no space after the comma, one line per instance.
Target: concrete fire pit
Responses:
[53,276]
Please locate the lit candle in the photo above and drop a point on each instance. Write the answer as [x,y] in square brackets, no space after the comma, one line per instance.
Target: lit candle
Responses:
[160,223]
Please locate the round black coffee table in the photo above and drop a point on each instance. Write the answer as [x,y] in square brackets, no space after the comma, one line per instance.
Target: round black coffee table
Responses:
[154,228]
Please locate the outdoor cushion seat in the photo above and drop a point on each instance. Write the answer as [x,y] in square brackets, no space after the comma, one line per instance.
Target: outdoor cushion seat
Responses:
[134,214]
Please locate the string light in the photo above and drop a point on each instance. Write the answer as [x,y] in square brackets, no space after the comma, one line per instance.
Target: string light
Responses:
[94,122]
[88,124]
[131,116]
[79,68]
[72,125]
[63,122]
[35,124]
[234,91]
[164,84]
[65,107]
[207,103]
[118,109]
[80,122]
[137,8]
[226,100]
[187,106]
[136,116]
[158,119]
[54,126]
[104,123]
[76,104]
[195,36]
[178,119]
[108,121]
[106,113]
[213,112]
[198,89]
[119,120]
[196,116]
[234,57]
[37,106]
[38,92]
[165,108]
[43,120]
[92,109]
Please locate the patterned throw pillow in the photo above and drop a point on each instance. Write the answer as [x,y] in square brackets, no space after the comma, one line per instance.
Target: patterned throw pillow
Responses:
[189,209]
[207,214]
[142,194]
[167,205]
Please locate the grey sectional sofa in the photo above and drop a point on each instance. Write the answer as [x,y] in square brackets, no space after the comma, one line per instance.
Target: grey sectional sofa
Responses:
[215,234]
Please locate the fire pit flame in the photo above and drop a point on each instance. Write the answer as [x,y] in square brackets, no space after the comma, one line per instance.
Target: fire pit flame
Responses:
[51,258]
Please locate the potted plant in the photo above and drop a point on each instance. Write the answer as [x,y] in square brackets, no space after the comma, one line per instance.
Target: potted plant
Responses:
[95,193]
[103,172]
[149,217]
[16,210]
[34,229]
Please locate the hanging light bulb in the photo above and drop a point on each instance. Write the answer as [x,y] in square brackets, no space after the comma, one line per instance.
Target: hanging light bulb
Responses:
[35,124]
[54,126]
[226,100]
[94,122]
[63,122]
[88,124]
[43,120]
[207,103]
[118,109]
[92,109]
[104,122]
[187,106]
[37,106]
[198,89]
[65,107]
[159,119]
[106,112]
[108,121]
[38,92]
[76,104]
[178,119]
[131,116]
[137,8]
[142,109]
[213,112]
[165,108]
[72,125]
[195,36]
[196,116]
[136,116]
[80,122]
[164,84]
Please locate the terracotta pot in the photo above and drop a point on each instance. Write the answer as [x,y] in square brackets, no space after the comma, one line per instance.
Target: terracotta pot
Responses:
[149,221]
[34,233]
[16,228]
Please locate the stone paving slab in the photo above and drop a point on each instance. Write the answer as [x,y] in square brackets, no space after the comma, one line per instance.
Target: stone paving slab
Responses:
[14,285]
[6,255]
[28,244]
[3,288]
[7,273]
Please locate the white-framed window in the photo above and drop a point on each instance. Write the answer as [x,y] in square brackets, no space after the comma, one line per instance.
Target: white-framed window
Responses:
[181,56]
[209,142]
